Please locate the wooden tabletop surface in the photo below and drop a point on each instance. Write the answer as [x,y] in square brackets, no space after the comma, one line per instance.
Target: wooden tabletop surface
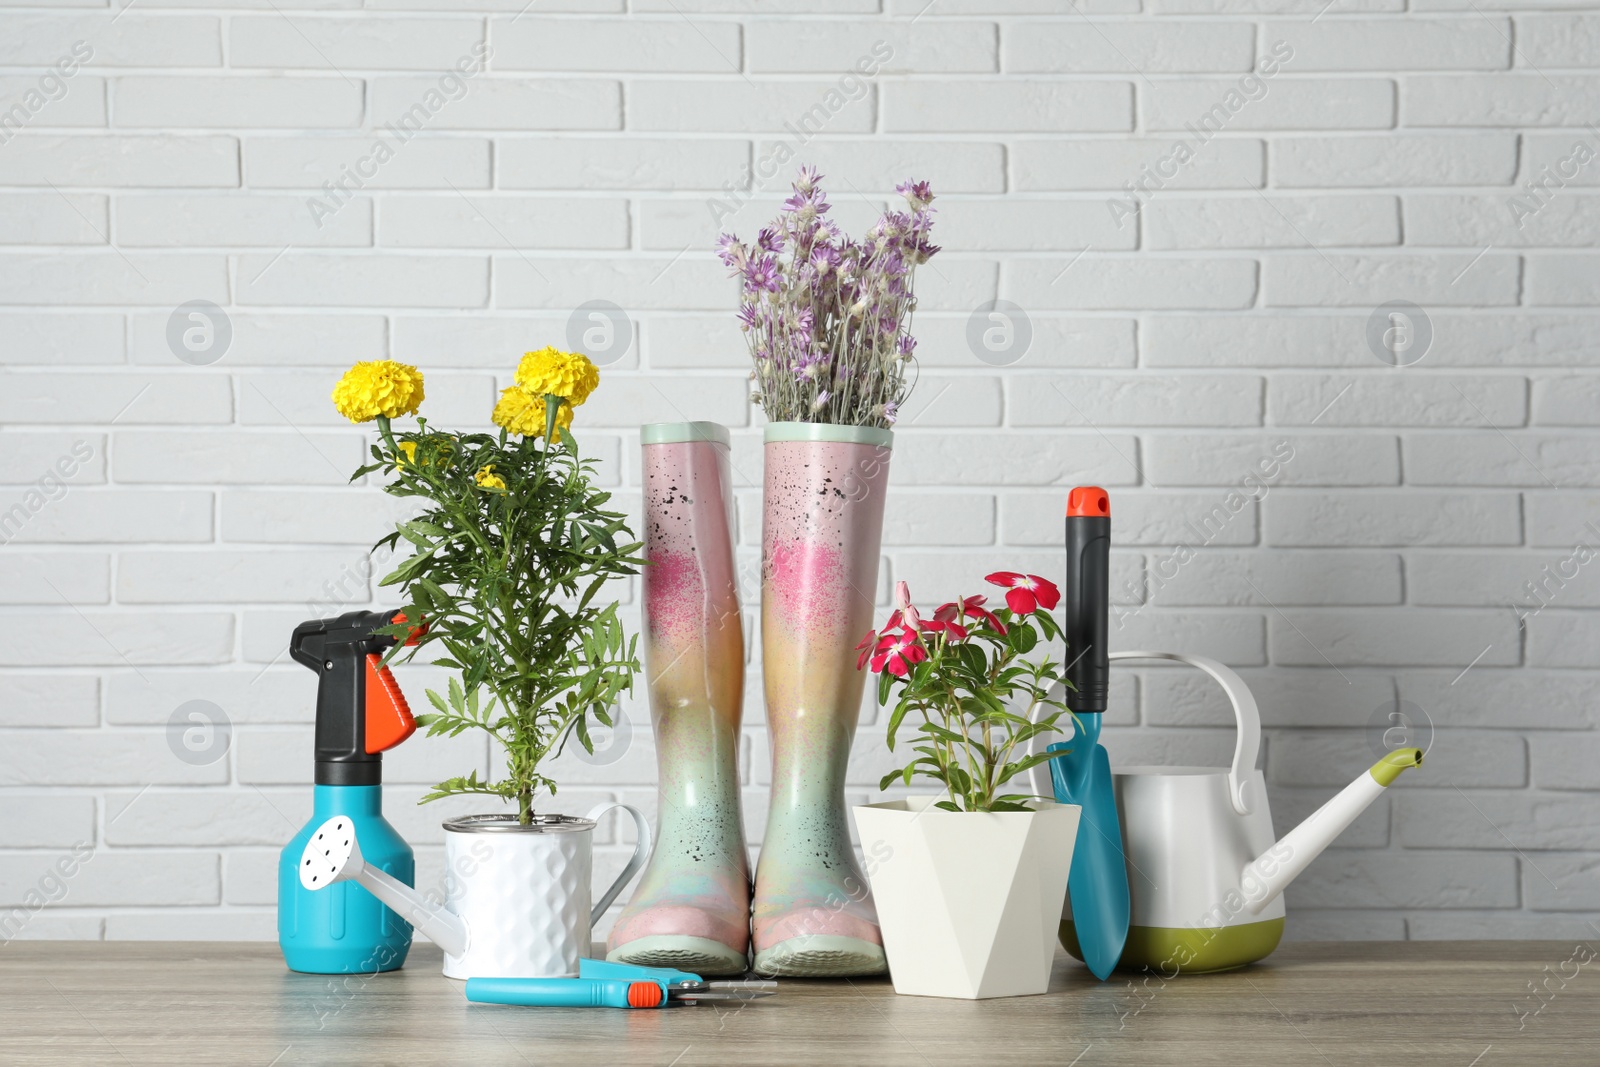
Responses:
[1458,1004]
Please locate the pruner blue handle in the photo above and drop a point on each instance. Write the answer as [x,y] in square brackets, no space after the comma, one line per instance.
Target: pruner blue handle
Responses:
[665,977]
[566,992]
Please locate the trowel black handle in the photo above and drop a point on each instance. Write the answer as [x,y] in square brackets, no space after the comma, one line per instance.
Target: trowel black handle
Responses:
[1088,597]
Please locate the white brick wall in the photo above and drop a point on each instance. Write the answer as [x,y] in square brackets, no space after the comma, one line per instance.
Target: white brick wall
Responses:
[165,524]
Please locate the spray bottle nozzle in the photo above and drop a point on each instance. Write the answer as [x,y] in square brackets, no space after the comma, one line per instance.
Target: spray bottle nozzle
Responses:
[360,709]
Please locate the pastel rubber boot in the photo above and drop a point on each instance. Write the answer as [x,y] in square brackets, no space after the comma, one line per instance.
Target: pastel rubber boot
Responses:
[822,526]
[691,910]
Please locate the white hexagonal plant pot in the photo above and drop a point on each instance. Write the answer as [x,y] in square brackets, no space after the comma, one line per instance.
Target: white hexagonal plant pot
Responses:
[969,902]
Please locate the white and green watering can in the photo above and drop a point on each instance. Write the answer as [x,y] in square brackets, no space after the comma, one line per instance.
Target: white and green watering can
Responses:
[1205,873]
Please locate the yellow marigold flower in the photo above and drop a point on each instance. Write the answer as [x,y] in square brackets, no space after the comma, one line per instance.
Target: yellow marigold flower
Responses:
[488,479]
[522,412]
[563,374]
[382,387]
[408,453]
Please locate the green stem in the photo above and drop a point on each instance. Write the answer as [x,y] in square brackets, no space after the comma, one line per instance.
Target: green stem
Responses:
[388,437]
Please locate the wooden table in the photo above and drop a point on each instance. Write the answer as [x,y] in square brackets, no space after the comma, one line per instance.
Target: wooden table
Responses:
[1461,1004]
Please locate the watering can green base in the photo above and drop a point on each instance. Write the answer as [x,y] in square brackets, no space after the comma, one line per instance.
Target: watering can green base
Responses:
[1170,951]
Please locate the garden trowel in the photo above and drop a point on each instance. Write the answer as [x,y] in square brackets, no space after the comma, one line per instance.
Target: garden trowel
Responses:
[1098,884]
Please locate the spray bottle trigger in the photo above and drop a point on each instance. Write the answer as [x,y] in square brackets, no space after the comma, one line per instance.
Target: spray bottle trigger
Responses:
[388,715]
[414,636]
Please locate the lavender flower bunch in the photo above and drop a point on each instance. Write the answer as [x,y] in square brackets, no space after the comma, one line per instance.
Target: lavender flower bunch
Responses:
[828,318]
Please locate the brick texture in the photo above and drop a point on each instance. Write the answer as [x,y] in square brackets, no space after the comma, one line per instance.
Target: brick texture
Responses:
[1202,206]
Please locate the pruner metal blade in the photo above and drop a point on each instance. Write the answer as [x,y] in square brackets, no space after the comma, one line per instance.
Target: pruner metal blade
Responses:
[744,989]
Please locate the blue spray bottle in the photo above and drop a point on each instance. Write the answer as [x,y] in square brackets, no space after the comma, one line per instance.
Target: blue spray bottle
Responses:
[360,713]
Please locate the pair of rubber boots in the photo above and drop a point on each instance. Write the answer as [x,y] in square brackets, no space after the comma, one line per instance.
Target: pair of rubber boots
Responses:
[812,913]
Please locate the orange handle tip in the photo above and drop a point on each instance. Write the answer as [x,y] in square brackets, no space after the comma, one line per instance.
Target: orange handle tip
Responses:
[1088,500]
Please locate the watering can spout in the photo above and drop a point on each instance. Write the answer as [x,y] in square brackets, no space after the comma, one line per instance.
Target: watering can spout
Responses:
[1266,876]
[334,855]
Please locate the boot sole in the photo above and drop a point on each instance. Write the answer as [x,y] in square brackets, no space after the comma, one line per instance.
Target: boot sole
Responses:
[697,955]
[821,956]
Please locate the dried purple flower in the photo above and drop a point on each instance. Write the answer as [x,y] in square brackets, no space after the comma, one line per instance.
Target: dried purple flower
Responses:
[808,367]
[917,194]
[806,203]
[827,317]
[801,323]
[761,274]
[770,240]
[731,252]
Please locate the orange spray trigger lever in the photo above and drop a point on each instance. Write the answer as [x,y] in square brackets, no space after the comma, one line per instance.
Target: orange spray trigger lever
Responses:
[414,637]
[388,715]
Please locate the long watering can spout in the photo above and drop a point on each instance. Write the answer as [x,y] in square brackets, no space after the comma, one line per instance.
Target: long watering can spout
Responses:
[334,855]
[1270,873]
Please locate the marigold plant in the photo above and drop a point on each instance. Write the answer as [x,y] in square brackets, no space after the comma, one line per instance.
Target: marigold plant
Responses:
[513,547]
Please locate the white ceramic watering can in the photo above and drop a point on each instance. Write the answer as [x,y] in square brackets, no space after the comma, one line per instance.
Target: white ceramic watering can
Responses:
[1205,875]
[516,897]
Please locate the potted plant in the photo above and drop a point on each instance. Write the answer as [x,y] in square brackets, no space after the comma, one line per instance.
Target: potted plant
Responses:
[828,322]
[512,547]
[969,883]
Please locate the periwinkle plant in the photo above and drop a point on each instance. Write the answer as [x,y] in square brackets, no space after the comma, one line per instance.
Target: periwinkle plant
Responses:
[828,318]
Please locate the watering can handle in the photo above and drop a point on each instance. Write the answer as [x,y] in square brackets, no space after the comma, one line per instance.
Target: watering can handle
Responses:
[1245,716]
[641,853]
[1240,793]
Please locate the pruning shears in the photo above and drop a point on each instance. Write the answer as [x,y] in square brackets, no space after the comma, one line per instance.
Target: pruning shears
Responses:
[603,984]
